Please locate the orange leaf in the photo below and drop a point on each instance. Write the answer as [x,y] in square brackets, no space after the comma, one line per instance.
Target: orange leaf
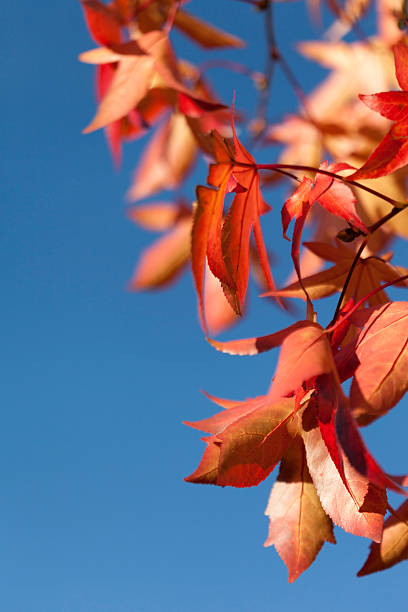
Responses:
[167,159]
[260,344]
[219,314]
[205,240]
[158,216]
[130,83]
[161,262]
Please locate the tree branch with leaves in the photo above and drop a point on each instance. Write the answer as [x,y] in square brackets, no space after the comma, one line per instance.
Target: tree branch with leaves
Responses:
[346,153]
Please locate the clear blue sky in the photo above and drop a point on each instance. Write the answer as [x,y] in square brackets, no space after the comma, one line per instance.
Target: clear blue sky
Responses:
[95,381]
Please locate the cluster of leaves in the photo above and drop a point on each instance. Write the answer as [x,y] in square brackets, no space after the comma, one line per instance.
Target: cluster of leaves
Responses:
[305,422]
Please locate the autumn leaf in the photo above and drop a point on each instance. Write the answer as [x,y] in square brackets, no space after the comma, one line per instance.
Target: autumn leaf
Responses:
[259,344]
[132,79]
[158,216]
[165,259]
[218,312]
[359,510]
[298,525]
[252,438]
[205,34]
[152,15]
[126,128]
[162,261]
[393,547]
[392,152]
[304,421]
[332,194]
[368,274]
[306,360]
[103,22]
[226,244]
[380,380]
[143,64]
[166,160]
[306,363]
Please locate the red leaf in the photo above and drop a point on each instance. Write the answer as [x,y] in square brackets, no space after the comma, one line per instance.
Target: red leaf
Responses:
[305,354]
[252,437]
[401,65]
[360,513]
[218,422]
[341,435]
[390,104]
[205,238]
[194,107]
[391,154]
[103,23]
[380,379]
[394,545]
[297,206]
[298,525]
[219,314]
[205,34]
[228,248]
[336,197]
[260,344]
[129,85]
[236,233]
[252,446]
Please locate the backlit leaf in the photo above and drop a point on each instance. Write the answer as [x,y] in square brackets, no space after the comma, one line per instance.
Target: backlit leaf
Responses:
[393,547]
[380,379]
[298,525]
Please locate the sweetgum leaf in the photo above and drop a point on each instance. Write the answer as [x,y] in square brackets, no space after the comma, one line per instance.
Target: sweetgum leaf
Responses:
[252,438]
[157,216]
[393,547]
[207,471]
[103,23]
[161,262]
[391,154]
[298,525]
[220,421]
[380,380]
[360,512]
[305,354]
[401,65]
[226,245]
[129,85]
[252,446]
[260,344]
[208,36]
[390,104]
[167,159]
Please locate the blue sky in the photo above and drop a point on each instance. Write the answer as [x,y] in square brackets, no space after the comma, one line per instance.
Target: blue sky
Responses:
[94,512]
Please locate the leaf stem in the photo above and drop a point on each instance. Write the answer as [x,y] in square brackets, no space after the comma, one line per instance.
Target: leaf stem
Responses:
[332,326]
[378,194]
[347,281]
